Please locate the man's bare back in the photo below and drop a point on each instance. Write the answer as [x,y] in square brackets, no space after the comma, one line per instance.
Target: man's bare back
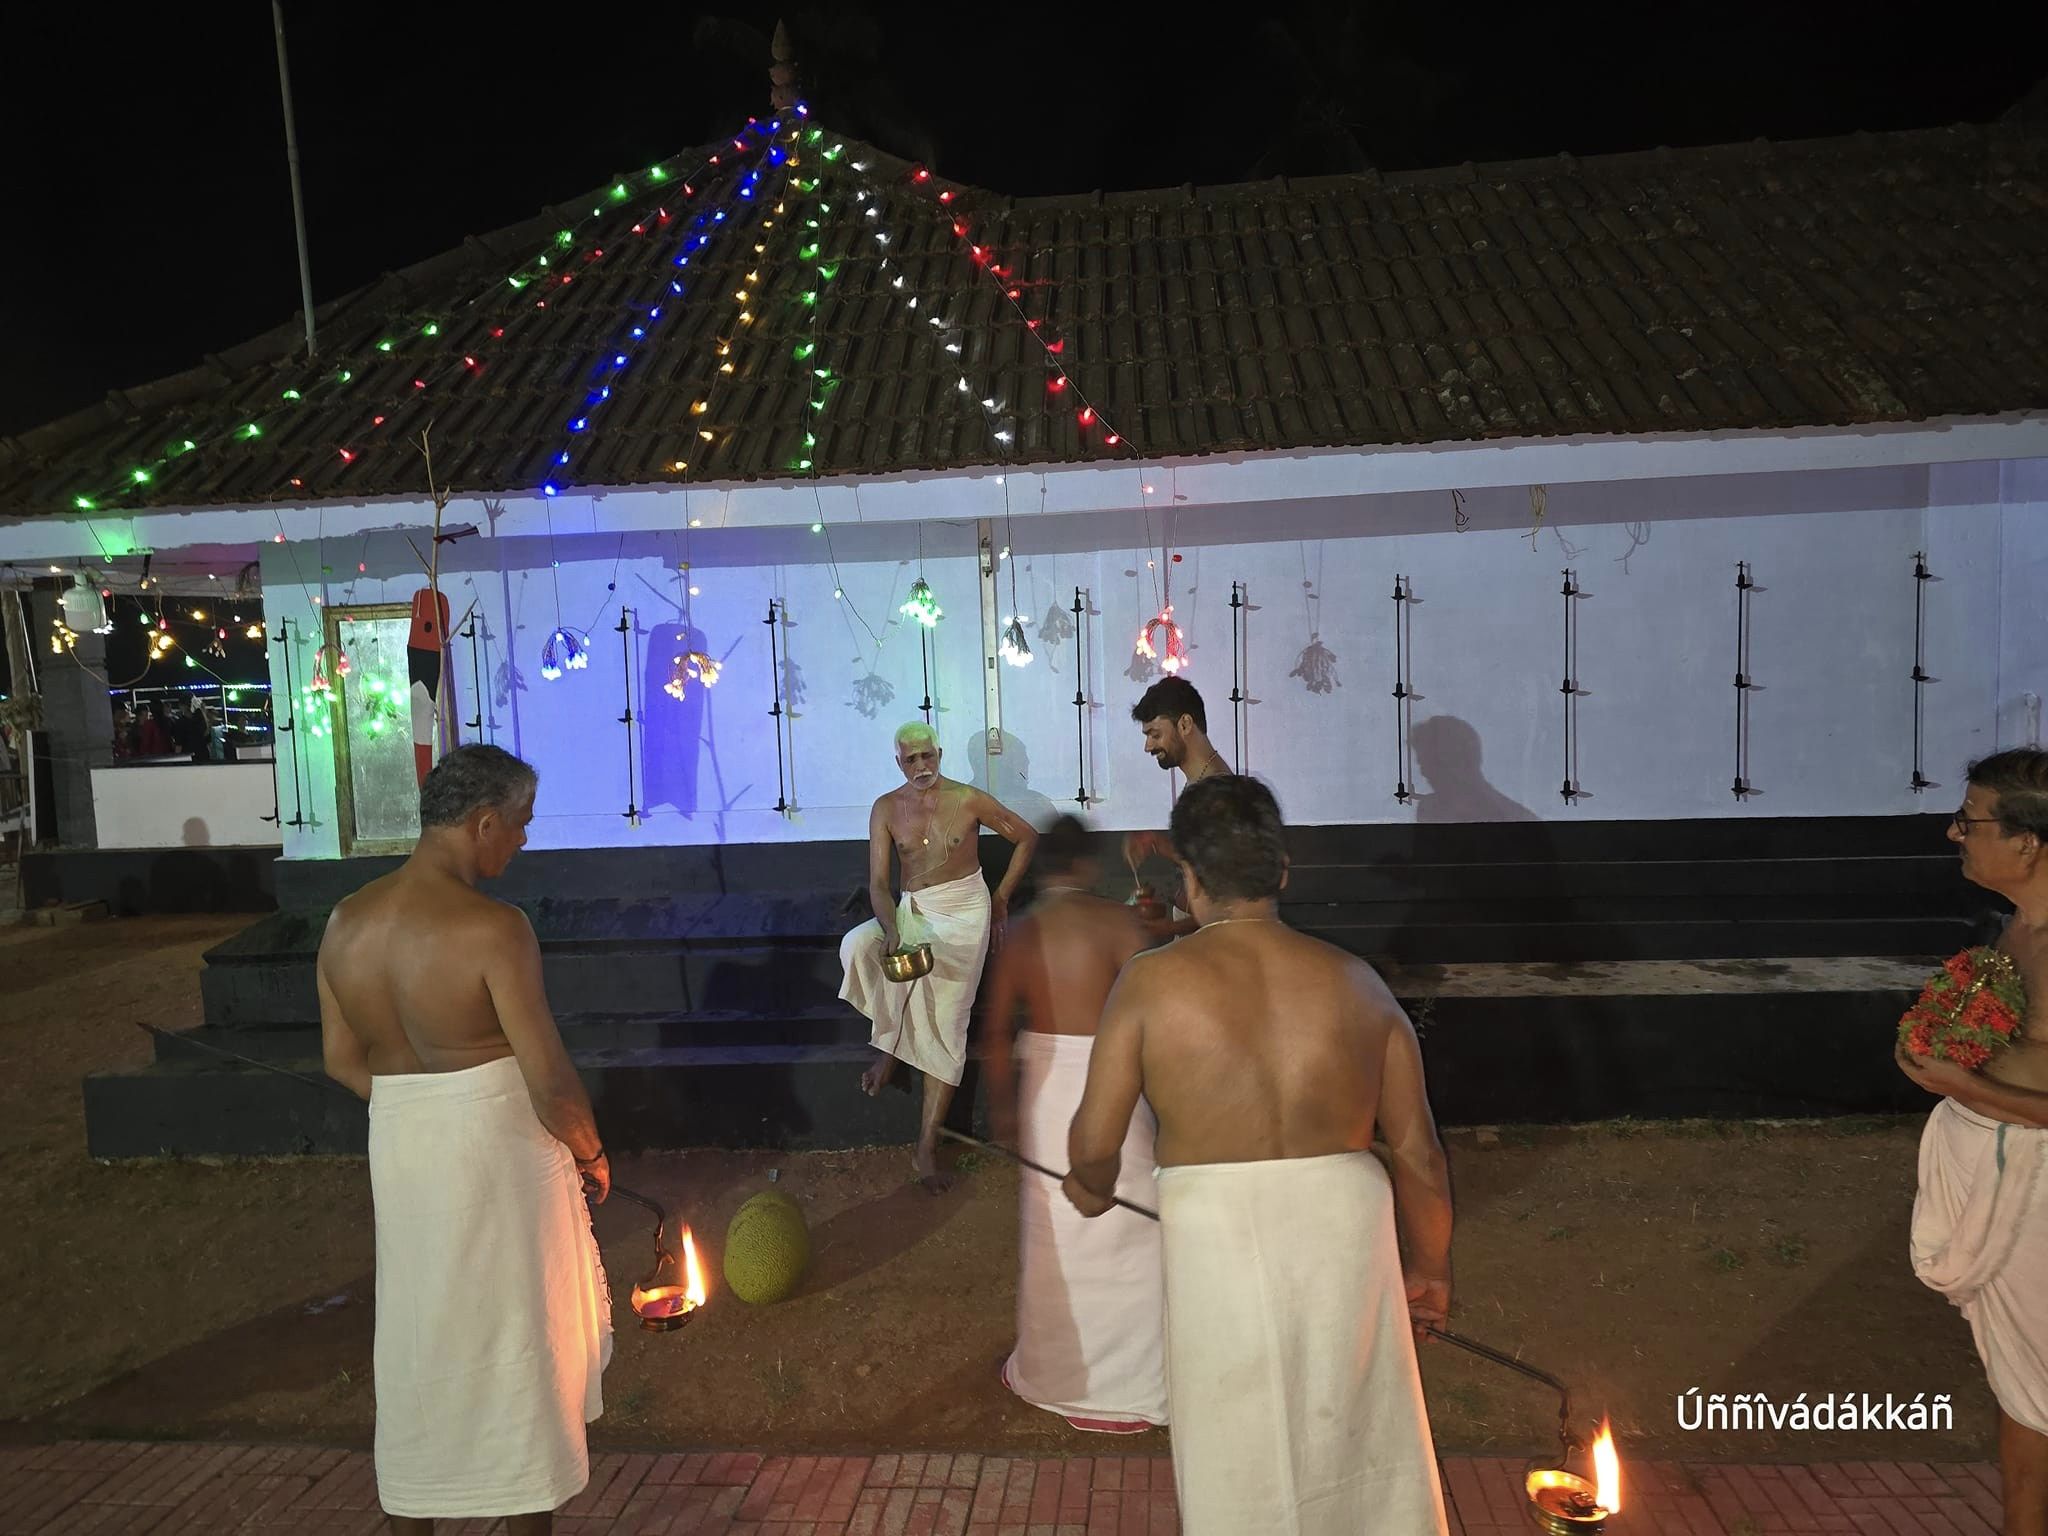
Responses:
[1260,1042]
[1064,957]
[406,960]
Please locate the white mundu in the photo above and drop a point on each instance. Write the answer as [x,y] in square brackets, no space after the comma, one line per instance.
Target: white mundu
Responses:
[1295,1399]
[494,1323]
[1980,1237]
[924,1022]
[1090,1293]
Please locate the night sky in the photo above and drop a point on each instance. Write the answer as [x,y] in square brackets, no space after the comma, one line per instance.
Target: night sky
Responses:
[150,213]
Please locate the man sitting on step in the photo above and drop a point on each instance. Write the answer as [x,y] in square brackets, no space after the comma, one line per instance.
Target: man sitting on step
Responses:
[932,824]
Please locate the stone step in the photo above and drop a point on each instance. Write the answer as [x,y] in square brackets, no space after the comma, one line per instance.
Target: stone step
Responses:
[1544,1043]
[799,1097]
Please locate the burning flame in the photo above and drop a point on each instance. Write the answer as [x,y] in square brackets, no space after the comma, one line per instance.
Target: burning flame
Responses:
[693,1285]
[1606,1469]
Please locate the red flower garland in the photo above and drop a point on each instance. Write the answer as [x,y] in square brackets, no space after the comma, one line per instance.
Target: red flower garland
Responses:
[1968,1009]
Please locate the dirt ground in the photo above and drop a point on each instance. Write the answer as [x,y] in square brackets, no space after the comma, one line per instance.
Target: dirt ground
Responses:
[1635,1261]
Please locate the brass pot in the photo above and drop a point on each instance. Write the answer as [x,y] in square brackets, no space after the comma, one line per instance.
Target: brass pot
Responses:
[908,964]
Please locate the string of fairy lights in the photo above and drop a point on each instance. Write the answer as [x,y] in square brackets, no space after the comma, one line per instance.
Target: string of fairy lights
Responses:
[450,357]
[445,349]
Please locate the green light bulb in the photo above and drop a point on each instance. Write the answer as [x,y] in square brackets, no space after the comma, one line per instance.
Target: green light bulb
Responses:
[811,297]
[564,238]
[806,349]
[517,282]
[190,662]
[620,191]
[142,477]
[383,346]
[657,174]
[803,463]
[83,503]
[430,329]
[292,394]
[346,376]
[252,430]
[817,527]
[190,445]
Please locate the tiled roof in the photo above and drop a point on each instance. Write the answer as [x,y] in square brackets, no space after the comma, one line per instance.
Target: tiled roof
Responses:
[1877,278]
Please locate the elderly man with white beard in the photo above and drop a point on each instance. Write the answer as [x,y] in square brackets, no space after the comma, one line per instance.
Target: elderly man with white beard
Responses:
[932,824]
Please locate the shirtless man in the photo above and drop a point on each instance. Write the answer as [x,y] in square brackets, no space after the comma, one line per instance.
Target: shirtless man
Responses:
[432,1008]
[1090,1298]
[1990,1130]
[930,825]
[1176,727]
[1273,1062]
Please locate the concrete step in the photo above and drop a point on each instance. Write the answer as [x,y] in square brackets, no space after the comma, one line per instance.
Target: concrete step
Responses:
[797,1097]
[1546,1043]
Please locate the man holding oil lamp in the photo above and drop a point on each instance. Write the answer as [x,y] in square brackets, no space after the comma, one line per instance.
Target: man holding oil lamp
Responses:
[1273,1061]
[493,1319]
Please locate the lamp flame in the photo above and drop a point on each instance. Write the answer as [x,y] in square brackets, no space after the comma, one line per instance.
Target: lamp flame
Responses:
[1606,1469]
[693,1281]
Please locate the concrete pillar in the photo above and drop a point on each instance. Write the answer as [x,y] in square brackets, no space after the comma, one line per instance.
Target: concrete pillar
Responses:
[78,722]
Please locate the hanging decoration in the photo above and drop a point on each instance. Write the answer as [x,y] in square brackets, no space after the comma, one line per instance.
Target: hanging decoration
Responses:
[1743,588]
[1539,506]
[319,684]
[1015,649]
[342,665]
[382,705]
[1404,690]
[85,607]
[690,667]
[1570,689]
[922,605]
[563,652]
[1161,641]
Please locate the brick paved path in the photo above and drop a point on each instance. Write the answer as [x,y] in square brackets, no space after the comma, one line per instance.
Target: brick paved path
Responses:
[119,1489]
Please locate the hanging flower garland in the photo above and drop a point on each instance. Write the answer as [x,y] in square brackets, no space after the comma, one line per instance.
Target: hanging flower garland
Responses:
[1173,658]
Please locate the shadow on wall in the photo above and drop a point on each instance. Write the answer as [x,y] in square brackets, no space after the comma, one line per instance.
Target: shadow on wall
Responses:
[196,834]
[1447,755]
[1006,774]
[672,729]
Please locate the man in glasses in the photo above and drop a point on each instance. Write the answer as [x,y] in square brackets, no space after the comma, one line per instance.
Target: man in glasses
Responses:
[1980,1220]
